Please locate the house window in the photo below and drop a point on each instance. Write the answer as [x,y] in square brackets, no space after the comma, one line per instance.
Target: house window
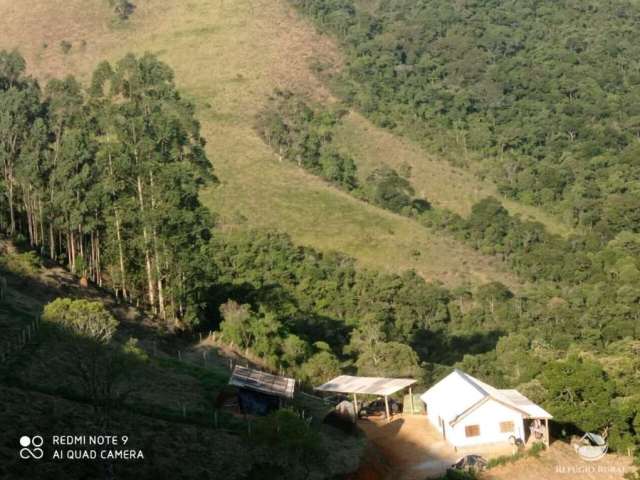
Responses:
[472,430]
[506,427]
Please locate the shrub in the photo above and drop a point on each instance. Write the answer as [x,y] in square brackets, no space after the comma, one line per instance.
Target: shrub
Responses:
[536,449]
[65,46]
[122,8]
[24,264]
[321,367]
[292,447]
[385,188]
[89,320]
[237,326]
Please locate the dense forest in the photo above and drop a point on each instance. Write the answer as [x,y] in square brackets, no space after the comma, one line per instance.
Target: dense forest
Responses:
[541,96]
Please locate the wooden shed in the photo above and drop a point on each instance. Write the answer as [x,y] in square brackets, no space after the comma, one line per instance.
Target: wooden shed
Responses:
[260,392]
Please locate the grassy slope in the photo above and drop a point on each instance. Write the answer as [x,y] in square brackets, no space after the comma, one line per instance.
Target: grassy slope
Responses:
[437,180]
[168,412]
[228,56]
[38,393]
[26,297]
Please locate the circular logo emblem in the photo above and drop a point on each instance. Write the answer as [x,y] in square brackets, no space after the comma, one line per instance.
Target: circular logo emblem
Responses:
[591,447]
[31,447]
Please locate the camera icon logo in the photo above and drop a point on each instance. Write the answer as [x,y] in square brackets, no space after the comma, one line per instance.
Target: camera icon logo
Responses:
[31,447]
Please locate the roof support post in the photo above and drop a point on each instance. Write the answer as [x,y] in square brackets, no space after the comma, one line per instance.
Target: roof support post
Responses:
[355,408]
[546,432]
[386,407]
[411,401]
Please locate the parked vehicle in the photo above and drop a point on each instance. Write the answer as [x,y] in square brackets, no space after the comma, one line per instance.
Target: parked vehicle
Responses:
[377,407]
[470,462]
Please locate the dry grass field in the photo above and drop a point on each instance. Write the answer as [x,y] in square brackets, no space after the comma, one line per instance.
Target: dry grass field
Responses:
[228,57]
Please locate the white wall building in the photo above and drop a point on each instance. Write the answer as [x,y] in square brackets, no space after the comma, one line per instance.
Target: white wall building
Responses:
[468,412]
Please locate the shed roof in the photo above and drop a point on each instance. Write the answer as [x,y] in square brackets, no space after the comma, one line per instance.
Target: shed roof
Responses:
[463,393]
[523,403]
[367,385]
[263,382]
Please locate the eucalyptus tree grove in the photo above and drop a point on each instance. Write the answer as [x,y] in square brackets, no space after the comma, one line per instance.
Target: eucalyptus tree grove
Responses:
[106,179]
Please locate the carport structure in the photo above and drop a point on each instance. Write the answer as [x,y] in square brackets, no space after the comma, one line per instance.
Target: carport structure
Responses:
[382,387]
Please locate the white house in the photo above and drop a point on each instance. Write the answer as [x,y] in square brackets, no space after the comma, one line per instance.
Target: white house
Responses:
[468,412]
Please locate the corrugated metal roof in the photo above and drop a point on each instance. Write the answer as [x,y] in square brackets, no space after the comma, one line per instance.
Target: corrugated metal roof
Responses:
[367,385]
[523,403]
[263,382]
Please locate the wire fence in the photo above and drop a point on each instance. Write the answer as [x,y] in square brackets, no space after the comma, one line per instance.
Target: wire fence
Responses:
[16,341]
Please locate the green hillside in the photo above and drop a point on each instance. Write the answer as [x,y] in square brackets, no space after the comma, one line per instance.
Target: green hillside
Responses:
[229,57]
[314,187]
[540,97]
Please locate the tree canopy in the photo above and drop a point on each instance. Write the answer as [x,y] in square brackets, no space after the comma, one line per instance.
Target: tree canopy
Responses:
[542,96]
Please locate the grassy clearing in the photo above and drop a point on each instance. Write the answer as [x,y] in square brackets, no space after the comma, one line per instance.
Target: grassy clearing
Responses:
[437,180]
[229,56]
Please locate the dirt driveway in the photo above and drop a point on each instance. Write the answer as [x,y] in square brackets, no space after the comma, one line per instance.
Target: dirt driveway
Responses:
[412,448]
[409,448]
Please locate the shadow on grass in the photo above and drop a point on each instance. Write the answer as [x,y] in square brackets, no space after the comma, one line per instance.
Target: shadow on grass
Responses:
[439,347]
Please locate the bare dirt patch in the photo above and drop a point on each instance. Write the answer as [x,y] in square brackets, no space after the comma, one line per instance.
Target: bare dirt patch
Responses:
[411,447]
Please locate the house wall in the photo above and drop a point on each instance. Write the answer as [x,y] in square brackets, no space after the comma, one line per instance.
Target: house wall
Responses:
[442,427]
[449,397]
[488,416]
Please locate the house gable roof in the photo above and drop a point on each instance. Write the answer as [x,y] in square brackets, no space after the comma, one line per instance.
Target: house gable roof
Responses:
[459,394]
